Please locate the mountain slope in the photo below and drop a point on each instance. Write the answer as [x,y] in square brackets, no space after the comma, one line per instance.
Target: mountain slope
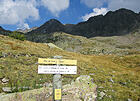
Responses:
[119,22]
[121,45]
[4,32]
[114,75]
[52,25]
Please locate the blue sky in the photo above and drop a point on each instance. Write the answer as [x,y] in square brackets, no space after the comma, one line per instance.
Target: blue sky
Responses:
[30,13]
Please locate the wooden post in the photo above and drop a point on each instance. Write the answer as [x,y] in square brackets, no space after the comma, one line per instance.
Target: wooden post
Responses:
[57,84]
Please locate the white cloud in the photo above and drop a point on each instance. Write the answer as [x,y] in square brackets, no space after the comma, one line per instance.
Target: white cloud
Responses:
[114,4]
[18,11]
[23,26]
[93,3]
[55,6]
[96,11]
[129,4]
[26,26]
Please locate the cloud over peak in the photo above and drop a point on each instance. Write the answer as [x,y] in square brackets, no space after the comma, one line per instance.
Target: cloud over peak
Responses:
[113,4]
[128,4]
[96,11]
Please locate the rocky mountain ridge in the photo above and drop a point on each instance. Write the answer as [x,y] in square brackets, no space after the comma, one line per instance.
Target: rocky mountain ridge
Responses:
[119,22]
[114,23]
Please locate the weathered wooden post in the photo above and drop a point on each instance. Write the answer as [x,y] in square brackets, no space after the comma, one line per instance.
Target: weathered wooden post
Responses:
[56,66]
[57,87]
[57,83]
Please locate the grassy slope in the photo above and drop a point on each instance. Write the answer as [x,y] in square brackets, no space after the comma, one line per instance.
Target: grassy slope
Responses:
[19,65]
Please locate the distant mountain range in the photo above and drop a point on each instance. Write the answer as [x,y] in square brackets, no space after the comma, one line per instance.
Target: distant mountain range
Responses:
[26,30]
[119,22]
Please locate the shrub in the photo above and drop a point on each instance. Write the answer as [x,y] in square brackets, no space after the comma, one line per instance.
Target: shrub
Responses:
[17,35]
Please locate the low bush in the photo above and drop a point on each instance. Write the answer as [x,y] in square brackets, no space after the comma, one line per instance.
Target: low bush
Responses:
[17,35]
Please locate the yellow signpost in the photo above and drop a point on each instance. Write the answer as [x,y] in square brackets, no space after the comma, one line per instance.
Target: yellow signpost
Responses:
[57,61]
[55,66]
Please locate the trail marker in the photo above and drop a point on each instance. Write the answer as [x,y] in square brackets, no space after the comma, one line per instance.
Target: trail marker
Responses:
[57,61]
[57,67]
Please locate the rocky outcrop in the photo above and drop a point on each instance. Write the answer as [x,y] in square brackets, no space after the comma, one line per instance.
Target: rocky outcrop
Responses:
[51,45]
[82,89]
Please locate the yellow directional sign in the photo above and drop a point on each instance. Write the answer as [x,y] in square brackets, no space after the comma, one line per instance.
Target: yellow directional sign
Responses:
[57,61]
[47,61]
[57,94]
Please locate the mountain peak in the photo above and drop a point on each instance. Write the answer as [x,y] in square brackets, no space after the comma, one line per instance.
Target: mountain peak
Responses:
[1,29]
[95,18]
[53,21]
[124,10]
[50,26]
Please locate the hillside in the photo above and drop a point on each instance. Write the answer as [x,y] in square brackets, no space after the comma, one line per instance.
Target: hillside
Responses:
[3,31]
[117,77]
[120,45]
[114,23]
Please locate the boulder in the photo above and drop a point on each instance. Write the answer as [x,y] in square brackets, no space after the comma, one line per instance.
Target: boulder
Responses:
[4,80]
[83,89]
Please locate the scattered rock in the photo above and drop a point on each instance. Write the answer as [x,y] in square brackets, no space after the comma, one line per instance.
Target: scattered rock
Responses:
[102,94]
[113,91]
[123,83]
[129,99]
[6,89]
[2,54]
[47,84]
[4,80]
[100,87]
[110,96]
[105,91]
[111,80]
[92,74]
[27,55]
